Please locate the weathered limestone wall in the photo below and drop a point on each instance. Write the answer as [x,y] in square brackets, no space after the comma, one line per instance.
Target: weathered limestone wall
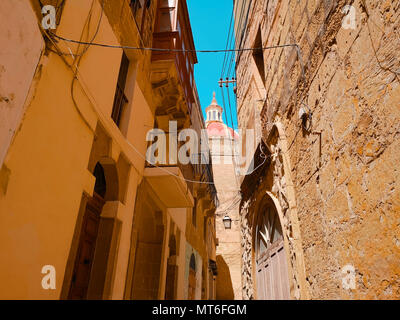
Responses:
[345,167]
[21,49]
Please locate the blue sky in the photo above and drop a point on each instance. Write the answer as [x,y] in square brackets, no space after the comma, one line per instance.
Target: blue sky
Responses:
[210,21]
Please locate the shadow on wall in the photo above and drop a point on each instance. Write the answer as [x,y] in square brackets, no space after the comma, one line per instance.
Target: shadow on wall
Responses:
[224,281]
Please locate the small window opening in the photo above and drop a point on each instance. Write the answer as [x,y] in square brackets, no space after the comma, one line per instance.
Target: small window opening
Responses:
[120,99]
[258,55]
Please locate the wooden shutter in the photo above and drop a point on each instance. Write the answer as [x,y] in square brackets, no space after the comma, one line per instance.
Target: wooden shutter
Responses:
[120,99]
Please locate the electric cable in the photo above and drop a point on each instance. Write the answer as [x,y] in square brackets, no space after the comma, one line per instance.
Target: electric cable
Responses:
[169,50]
[232,43]
[230,108]
[223,105]
[227,44]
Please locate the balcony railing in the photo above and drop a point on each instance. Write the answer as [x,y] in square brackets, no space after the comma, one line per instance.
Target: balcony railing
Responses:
[184,67]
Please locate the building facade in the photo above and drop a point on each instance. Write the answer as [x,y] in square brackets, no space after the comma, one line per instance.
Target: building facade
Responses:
[320,215]
[83,215]
[222,144]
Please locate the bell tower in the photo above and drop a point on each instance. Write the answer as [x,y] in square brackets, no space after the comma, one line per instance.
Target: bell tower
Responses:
[214,111]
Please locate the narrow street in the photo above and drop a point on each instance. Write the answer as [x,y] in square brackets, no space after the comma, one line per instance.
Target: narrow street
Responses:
[199,150]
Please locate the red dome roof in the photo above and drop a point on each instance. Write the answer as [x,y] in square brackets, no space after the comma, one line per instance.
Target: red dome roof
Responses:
[215,125]
[220,129]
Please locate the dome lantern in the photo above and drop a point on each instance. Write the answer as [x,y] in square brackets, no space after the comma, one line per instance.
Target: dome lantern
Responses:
[214,111]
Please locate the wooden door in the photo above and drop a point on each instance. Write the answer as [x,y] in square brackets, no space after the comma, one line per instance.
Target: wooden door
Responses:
[271,265]
[86,248]
[272,275]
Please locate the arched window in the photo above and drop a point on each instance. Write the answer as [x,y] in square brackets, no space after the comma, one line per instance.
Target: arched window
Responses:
[271,264]
[269,231]
[214,115]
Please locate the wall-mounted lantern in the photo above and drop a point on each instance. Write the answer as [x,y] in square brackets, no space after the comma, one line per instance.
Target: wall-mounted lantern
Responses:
[227,222]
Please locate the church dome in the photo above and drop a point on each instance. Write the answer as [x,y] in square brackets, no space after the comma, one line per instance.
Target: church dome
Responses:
[214,123]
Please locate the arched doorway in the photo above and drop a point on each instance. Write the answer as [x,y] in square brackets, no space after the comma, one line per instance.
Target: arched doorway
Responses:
[192,278]
[87,241]
[270,257]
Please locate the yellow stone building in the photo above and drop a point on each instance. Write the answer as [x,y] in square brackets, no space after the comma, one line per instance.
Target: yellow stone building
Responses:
[78,201]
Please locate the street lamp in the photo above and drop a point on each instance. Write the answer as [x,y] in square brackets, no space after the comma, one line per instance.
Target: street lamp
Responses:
[227,222]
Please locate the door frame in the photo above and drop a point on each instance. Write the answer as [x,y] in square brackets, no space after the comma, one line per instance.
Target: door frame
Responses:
[268,196]
[97,202]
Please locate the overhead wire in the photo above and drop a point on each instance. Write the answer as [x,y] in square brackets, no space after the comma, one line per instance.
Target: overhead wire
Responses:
[223,104]
[231,206]
[230,108]
[227,55]
[229,60]
[262,156]
[169,50]
[232,43]
[231,70]
[227,43]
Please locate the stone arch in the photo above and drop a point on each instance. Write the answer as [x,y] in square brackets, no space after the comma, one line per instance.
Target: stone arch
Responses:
[112,179]
[284,196]
[116,166]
